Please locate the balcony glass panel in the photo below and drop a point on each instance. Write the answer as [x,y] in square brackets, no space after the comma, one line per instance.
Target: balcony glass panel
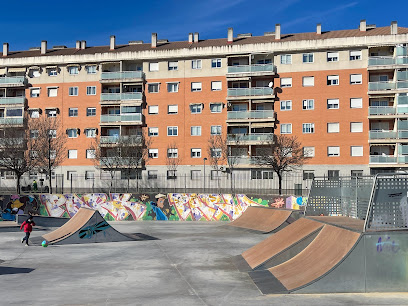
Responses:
[12,80]
[374,86]
[250,115]
[403,134]
[379,61]
[403,149]
[121,75]
[402,84]
[120,118]
[250,137]
[115,139]
[402,125]
[402,110]
[381,110]
[122,96]
[402,100]
[402,75]
[380,159]
[12,100]
[242,160]
[401,51]
[383,134]
[256,91]
[401,60]
[402,159]
[10,120]
[251,68]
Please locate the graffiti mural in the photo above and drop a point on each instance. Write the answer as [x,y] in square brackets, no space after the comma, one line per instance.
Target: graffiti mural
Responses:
[16,204]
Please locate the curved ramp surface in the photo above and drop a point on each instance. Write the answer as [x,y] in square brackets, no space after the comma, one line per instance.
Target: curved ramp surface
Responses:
[262,219]
[86,226]
[280,241]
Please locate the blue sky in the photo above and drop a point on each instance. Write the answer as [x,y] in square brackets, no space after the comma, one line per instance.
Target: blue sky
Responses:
[25,23]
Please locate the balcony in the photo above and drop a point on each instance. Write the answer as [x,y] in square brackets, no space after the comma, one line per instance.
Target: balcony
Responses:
[124,119]
[251,70]
[389,160]
[385,136]
[249,138]
[12,100]
[250,93]
[117,97]
[386,87]
[268,115]
[109,162]
[112,140]
[122,76]
[401,100]
[241,161]
[16,81]
[386,62]
[381,110]
[11,121]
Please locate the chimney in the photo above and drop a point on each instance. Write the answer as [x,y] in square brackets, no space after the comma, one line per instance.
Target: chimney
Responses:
[394,28]
[5,49]
[196,37]
[43,47]
[278,31]
[230,35]
[112,44]
[83,44]
[154,40]
[190,38]
[78,45]
[363,25]
[319,29]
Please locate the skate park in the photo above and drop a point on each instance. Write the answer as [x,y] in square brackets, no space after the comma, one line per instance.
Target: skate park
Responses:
[361,242]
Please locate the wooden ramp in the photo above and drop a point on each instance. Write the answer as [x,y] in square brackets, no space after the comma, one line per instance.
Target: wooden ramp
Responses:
[263,219]
[323,254]
[86,226]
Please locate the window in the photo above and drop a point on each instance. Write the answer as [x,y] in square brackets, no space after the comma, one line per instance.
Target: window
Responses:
[333,151]
[91,90]
[286,59]
[196,131]
[153,153]
[216,63]
[51,113]
[308,81]
[285,105]
[216,85]
[35,92]
[173,66]
[172,153]
[153,109]
[91,69]
[89,175]
[286,82]
[333,174]
[73,91]
[172,109]
[356,79]
[196,108]
[153,87]
[286,128]
[71,175]
[73,112]
[195,86]
[72,70]
[131,174]
[72,154]
[195,174]
[216,130]
[34,113]
[257,174]
[33,134]
[357,173]
[216,107]
[195,153]
[216,153]
[33,154]
[52,72]
[308,104]
[308,128]
[332,80]
[90,133]
[72,133]
[333,127]
[52,92]
[152,175]
[356,103]
[356,127]
[215,174]
[90,153]
[91,111]
[355,55]
[332,103]
[356,150]
[153,131]
[35,73]
[196,64]
[308,175]
[153,66]
[332,56]
[171,174]
[308,57]
[309,151]
[14,112]
[172,131]
[172,87]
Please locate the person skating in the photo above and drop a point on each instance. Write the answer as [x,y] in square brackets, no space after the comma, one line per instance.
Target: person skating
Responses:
[28,228]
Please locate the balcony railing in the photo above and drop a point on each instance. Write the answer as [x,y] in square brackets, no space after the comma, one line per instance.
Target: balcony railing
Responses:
[401,60]
[121,75]
[251,68]
[402,109]
[121,118]
[12,100]
[11,120]
[133,139]
[251,115]
[377,86]
[402,100]
[247,92]
[121,96]
[121,161]
[242,160]
[403,149]
[401,134]
[402,75]
[250,137]
[17,80]
[381,110]
[383,159]
[387,60]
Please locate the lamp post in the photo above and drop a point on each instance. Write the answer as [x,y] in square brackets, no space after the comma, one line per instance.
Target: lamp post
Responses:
[204,159]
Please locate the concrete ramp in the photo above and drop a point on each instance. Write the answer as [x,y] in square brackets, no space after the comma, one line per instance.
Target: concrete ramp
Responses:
[87,226]
[263,219]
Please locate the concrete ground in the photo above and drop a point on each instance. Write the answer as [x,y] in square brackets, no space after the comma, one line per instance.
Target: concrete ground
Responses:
[190,264]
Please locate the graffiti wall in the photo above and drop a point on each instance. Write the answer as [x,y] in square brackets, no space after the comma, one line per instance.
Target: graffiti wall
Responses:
[119,207]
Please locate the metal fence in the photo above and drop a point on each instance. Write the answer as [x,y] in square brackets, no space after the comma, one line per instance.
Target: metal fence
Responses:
[293,184]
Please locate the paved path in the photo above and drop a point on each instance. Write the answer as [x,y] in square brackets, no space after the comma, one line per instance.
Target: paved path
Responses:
[189,265]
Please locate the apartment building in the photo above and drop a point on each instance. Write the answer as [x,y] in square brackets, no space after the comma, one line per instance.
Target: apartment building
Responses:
[342,93]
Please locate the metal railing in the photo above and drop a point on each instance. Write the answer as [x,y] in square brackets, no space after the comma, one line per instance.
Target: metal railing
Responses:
[19,80]
[400,134]
[255,91]
[387,60]
[121,96]
[12,100]
[122,118]
[377,86]
[116,139]
[250,137]
[383,159]
[402,100]
[251,114]
[11,120]
[119,75]
[251,68]
[381,110]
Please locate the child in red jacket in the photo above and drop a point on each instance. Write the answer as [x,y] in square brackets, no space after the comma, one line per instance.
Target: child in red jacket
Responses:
[28,228]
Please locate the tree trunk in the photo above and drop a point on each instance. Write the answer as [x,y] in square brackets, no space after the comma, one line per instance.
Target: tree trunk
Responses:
[128,182]
[18,183]
[50,180]
[232,184]
[280,183]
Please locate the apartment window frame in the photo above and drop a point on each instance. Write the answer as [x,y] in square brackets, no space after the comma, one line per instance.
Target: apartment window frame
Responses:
[172,131]
[34,113]
[153,131]
[52,92]
[91,90]
[72,154]
[198,64]
[73,91]
[153,88]
[90,69]
[195,152]
[333,127]
[196,108]
[333,80]
[72,133]
[73,112]
[356,128]
[51,112]
[195,87]
[216,130]
[309,151]
[172,153]
[308,104]
[286,59]
[90,153]
[308,175]
[333,175]
[73,70]
[90,132]
[333,103]
[52,72]
[333,56]
[216,152]
[216,85]
[359,151]
[216,63]
[172,65]
[216,107]
[356,102]
[333,151]
[35,92]
[286,105]
[154,153]
[89,175]
[285,128]
[308,81]
[152,174]
[261,174]
[91,111]
[355,55]
[358,79]
[172,109]
[308,58]
[284,82]
[308,128]
[173,87]
[153,109]
[195,130]
[153,66]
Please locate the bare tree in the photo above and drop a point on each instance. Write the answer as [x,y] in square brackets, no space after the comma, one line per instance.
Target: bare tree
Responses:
[215,156]
[48,147]
[173,160]
[282,154]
